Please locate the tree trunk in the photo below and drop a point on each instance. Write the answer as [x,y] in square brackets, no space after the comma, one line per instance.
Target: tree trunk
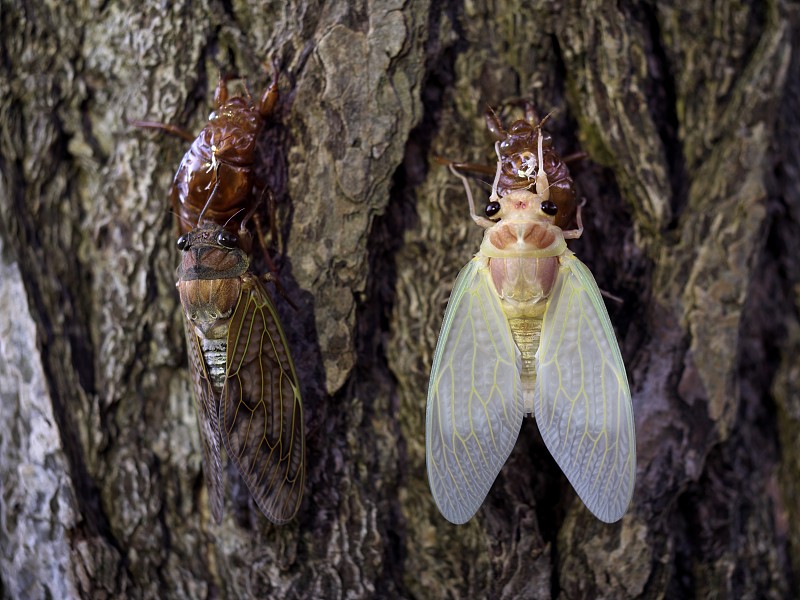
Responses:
[692,217]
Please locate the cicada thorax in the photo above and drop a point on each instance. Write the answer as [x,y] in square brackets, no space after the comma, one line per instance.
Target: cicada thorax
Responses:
[216,179]
[210,287]
[518,153]
[522,251]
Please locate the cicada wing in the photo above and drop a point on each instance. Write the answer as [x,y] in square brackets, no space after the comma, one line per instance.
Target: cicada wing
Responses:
[582,400]
[474,397]
[261,411]
[207,405]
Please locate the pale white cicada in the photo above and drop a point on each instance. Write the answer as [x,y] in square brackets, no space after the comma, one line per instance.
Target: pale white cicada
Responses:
[526,332]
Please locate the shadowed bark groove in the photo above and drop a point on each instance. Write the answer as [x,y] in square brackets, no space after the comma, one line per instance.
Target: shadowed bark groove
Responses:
[688,116]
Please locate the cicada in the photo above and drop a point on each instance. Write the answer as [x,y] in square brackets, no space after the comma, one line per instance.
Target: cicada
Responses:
[526,332]
[216,178]
[245,384]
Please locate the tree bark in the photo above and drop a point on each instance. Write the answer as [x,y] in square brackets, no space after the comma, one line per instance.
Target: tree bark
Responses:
[692,185]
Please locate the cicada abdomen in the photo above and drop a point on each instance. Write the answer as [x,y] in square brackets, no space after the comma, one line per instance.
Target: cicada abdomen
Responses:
[526,332]
[246,389]
[216,180]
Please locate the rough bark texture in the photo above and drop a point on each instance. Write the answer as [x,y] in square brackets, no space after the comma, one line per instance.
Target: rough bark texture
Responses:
[689,118]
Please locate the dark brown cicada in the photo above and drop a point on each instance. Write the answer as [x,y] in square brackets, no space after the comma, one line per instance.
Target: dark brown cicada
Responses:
[518,150]
[246,388]
[216,178]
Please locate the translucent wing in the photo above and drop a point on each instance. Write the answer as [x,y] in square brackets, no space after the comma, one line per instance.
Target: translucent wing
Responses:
[474,397]
[583,404]
[261,411]
[208,422]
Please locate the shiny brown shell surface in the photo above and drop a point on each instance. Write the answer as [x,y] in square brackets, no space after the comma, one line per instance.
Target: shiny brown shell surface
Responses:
[518,148]
[216,179]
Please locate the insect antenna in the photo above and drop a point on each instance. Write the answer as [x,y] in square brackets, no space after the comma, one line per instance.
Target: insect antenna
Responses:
[545,119]
[208,202]
[224,225]
[183,220]
[485,184]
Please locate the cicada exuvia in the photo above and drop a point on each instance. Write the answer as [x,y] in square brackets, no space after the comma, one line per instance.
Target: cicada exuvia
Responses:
[520,161]
[526,332]
[246,389]
[217,176]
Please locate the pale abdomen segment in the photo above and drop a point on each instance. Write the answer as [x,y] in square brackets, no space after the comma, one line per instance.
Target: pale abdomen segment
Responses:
[523,286]
[526,332]
[215,354]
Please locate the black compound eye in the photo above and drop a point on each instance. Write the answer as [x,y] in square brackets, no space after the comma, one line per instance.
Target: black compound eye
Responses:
[492,209]
[183,242]
[549,208]
[227,239]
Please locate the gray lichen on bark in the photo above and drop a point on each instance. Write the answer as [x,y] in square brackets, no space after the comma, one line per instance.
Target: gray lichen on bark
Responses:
[37,491]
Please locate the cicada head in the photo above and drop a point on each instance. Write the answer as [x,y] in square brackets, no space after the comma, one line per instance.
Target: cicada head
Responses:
[209,276]
[522,205]
[212,252]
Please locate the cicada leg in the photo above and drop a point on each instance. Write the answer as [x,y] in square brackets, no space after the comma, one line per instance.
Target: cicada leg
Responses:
[574,157]
[495,196]
[221,93]
[275,280]
[574,234]
[482,221]
[270,96]
[494,125]
[173,129]
[262,241]
[272,268]
[466,166]
[542,183]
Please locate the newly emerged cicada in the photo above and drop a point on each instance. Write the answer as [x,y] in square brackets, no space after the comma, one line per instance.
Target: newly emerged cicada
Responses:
[246,388]
[526,332]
